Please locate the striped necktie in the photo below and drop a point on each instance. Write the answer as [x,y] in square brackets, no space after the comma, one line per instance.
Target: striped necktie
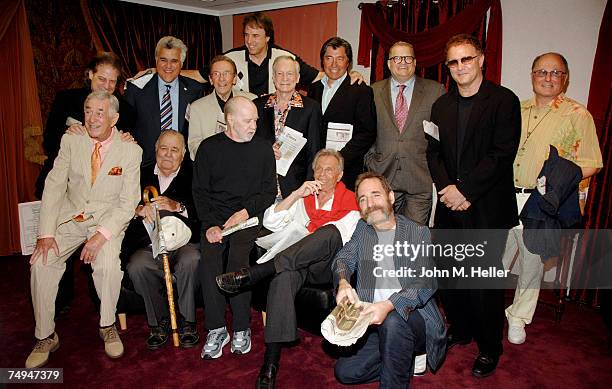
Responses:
[166,110]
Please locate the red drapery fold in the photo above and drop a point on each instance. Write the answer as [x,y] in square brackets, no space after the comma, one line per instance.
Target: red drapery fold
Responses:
[599,202]
[593,267]
[132,30]
[20,122]
[430,44]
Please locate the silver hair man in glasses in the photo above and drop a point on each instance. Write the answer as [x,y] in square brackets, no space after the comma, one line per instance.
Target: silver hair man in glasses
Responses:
[403,101]
[471,164]
[548,118]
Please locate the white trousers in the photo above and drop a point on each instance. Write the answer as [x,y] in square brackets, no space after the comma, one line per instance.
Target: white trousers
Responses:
[44,279]
[530,270]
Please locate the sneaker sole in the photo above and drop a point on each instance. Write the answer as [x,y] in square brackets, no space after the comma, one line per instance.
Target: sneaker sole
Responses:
[218,354]
[239,352]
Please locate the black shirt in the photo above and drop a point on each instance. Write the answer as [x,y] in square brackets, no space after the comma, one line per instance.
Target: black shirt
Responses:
[464,108]
[221,102]
[229,176]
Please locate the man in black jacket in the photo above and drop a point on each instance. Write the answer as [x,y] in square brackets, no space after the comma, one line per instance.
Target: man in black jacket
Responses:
[471,164]
[171,175]
[287,107]
[344,103]
[162,102]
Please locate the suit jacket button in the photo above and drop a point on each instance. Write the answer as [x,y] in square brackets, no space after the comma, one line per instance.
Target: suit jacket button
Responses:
[87,202]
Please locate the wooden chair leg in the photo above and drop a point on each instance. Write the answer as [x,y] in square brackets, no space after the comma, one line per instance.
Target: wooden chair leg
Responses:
[263,317]
[122,321]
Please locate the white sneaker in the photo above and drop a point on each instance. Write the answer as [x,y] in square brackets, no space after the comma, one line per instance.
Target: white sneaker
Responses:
[420,364]
[215,341]
[516,334]
[241,342]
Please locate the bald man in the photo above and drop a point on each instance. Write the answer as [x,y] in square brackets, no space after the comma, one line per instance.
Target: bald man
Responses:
[234,179]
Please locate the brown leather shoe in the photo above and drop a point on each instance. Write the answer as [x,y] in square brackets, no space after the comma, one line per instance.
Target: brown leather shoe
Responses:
[112,342]
[40,354]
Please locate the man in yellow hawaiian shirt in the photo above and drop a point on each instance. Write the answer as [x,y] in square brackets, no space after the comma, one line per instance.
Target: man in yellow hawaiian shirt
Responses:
[549,118]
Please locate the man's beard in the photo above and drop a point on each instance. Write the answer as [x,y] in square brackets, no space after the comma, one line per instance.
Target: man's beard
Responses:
[368,214]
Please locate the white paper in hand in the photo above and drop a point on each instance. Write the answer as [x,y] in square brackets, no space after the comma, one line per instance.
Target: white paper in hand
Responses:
[338,135]
[291,143]
[140,82]
[431,129]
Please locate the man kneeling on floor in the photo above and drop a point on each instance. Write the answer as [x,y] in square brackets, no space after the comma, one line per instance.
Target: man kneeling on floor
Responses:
[325,214]
[89,197]
[405,316]
[171,174]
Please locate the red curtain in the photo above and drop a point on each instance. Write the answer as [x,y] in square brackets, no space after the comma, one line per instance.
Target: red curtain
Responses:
[20,123]
[429,44]
[132,30]
[599,203]
[593,265]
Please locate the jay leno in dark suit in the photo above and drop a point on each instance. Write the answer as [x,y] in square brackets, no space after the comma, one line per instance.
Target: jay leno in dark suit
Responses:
[163,101]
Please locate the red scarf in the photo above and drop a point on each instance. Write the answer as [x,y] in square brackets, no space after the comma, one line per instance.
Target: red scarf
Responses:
[344,202]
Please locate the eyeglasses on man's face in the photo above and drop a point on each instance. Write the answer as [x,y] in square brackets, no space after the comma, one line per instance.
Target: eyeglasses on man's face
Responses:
[556,74]
[402,58]
[453,63]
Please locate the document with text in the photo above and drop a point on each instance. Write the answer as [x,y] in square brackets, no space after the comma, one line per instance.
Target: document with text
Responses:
[291,143]
[338,135]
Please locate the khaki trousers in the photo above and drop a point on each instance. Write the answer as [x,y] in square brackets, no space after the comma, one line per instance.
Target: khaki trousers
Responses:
[44,279]
[530,272]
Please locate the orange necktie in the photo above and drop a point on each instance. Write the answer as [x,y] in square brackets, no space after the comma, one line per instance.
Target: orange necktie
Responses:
[96,162]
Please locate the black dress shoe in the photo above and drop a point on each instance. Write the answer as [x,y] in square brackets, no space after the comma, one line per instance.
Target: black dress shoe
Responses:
[234,282]
[158,336]
[267,376]
[452,340]
[484,365]
[188,335]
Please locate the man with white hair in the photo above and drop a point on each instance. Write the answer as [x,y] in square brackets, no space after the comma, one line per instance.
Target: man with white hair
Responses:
[89,197]
[163,101]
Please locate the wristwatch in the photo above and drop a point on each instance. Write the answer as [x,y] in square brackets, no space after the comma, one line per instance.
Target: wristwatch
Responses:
[182,208]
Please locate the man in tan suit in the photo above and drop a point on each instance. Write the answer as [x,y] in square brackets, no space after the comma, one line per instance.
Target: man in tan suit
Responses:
[89,197]
[206,116]
[403,101]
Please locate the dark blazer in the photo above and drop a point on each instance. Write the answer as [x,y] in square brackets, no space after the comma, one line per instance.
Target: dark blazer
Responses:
[557,208]
[70,103]
[136,235]
[145,105]
[306,120]
[487,155]
[401,157]
[352,104]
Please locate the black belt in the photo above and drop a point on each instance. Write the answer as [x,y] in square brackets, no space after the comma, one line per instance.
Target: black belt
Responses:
[523,190]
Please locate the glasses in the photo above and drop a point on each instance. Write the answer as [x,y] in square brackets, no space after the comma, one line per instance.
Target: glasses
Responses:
[453,63]
[225,74]
[556,74]
[399,58]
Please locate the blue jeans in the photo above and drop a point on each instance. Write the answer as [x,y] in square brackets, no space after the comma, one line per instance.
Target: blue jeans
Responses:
[387,353]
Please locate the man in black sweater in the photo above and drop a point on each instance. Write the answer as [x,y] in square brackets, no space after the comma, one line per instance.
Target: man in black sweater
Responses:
[234,179]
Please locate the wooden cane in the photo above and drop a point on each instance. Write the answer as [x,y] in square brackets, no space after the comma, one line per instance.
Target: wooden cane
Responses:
[166,262]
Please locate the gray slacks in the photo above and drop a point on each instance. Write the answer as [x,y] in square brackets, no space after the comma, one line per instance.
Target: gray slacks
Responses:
[147,275]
